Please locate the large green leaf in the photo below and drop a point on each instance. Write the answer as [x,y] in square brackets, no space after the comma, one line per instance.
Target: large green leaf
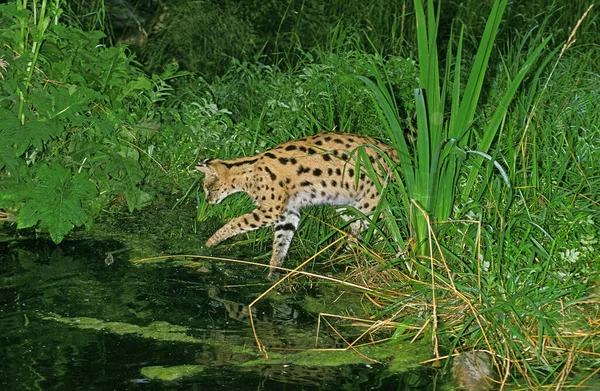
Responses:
[8,156]
[32,133]
[64,102]
[58,201]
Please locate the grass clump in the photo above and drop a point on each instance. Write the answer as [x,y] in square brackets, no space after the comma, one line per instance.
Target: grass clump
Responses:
[504,257]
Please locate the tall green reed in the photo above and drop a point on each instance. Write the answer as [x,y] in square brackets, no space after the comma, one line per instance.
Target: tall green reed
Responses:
[446,137]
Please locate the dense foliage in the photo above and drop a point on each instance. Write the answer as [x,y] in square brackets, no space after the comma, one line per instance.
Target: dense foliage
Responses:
[68,114]
[490,237]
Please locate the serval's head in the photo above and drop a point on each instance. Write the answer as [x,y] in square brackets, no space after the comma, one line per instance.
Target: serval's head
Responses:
[217,181]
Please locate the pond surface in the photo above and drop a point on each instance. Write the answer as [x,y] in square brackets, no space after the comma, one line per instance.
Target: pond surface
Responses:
[84,315]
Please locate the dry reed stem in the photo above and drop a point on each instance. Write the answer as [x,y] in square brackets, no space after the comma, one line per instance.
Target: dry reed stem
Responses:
[434,340]
[450,286]
[566,369]
[371,327]
[231,260]
[349,345]
[261,347]
[581,383]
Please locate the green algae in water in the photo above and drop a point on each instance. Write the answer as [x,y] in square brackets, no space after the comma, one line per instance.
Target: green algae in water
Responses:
[172,373]
[162,331]
[399,356]
[158,331]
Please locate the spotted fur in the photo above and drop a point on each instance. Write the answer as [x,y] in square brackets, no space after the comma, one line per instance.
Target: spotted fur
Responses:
[314,170]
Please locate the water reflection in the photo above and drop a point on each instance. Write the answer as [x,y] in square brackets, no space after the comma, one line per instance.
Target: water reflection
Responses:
[70,319]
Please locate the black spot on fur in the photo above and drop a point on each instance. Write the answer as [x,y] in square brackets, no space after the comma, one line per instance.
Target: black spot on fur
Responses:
[326,157]
[270,155]
[285,227]
[290,148]
[271,173]
[239,163]
[302,170]
[317,172]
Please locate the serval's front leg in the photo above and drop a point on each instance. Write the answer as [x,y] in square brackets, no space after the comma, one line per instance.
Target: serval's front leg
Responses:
[284,233]
[259,218]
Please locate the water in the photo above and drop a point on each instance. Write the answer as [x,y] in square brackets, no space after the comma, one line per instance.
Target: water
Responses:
[82,315]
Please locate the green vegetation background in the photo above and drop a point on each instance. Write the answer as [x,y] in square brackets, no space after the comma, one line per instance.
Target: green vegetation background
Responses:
[90,127]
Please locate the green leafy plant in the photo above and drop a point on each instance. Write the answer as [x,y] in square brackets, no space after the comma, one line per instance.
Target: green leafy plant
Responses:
[69,110]
[59,201]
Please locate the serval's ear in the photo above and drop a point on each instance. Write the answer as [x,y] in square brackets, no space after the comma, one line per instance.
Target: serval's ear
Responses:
[205,167]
